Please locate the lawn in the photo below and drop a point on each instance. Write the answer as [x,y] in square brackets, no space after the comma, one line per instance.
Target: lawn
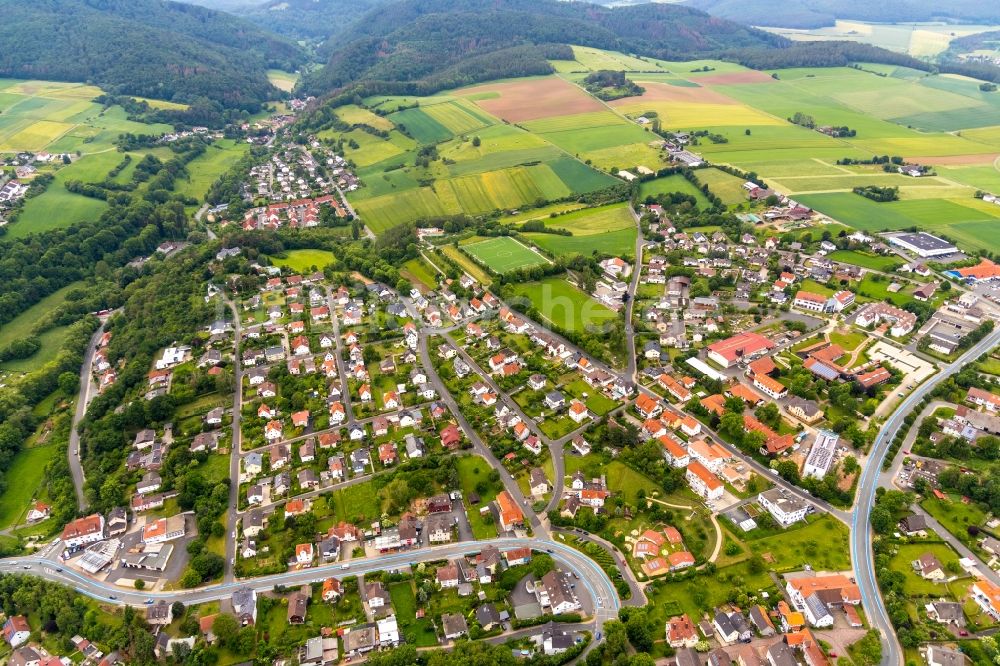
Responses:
[596,402]
[703,593]
[474,477]
[822,544]
[304,261]
[955,515]
[623,479]
[913,584]
[419,632]
[24,480]
[504,254]
[865,260]
[358,504]
[849,340]
[565,306]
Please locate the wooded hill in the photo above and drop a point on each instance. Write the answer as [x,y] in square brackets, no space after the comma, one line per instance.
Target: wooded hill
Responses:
[820,13]
[422,46]
[148,48]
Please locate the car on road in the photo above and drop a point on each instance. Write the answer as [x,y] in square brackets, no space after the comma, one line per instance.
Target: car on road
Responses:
[963,632]
[148,601]
[59,570]
[112,597]
[26,566]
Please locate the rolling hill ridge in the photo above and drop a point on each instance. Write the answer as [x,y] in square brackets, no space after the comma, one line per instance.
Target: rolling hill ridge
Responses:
[422,46]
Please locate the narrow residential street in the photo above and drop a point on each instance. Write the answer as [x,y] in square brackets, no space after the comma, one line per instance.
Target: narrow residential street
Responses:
[88,390]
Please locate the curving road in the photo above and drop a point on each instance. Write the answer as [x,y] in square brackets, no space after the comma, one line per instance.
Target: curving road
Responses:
[593,583]
[861,533]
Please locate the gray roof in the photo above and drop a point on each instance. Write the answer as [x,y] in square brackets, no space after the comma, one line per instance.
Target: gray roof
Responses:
[781,654]
[817,607]
[453,624]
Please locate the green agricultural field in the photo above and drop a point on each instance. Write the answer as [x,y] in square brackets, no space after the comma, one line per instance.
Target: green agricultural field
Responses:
[607,229]
[595,59]
[504,254]
[421,126]
[302,261]
[562,304]
[866,260]
[594,221]
[353,114]
[976,228]
[670,184]
[205,170]
[458,116]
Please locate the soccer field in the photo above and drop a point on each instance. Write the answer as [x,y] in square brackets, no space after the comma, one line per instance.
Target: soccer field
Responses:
[505,254]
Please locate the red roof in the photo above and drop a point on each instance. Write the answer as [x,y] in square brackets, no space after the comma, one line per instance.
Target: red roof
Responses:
[743,344]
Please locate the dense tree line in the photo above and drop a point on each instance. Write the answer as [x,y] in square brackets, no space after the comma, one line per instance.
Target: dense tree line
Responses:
[152,49]
[820,54]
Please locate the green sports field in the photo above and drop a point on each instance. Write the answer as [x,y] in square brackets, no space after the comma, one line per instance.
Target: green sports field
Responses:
[504,254]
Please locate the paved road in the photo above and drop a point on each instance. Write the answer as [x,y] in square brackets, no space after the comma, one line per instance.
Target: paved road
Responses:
[234,453]
[861,532]
[345,397]
[638,597]
[87,392]
[480,447]
[632,367]
[593,582]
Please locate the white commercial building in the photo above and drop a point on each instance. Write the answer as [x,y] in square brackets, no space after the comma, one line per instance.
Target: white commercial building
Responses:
[821,455]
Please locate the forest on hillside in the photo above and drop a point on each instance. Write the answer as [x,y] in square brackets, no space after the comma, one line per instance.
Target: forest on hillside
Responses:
[144,47]
[429,43]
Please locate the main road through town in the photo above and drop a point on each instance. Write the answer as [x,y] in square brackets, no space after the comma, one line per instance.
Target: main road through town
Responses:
[592,584]
[861,533]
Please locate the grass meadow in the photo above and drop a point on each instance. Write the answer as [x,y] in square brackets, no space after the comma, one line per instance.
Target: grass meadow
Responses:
[20,327]
[562,304]
[303,261]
